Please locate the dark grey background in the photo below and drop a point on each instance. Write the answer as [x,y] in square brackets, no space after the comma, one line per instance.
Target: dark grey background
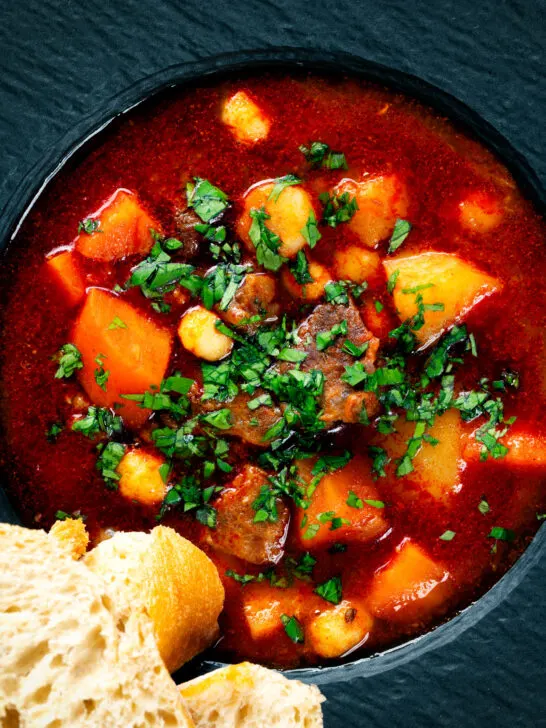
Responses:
[60,59]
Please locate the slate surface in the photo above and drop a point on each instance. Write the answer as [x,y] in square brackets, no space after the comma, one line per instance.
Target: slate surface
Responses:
[61,59]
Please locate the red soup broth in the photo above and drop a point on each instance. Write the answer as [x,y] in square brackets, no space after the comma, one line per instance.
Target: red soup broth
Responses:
[421,546]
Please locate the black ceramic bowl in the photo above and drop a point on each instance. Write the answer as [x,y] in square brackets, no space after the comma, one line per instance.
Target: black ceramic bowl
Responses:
[347,685]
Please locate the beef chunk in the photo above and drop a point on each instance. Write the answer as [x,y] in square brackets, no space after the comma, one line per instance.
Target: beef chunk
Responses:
[250,425]
[236,533]
[255,297]
[340,401]
[185,221]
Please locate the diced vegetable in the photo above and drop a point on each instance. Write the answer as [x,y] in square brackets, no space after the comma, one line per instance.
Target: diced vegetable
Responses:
[436,467]
[357,264]
[524,449]
[64,269]
[410,588]
[381,201]
[313,290]
[336,630]
[263,606]
[333,515]
[136,356]
[288,215]
[123,227]
[198,334]
[448,286]
[245,118]
[141,478]
[480,212]
[237,531]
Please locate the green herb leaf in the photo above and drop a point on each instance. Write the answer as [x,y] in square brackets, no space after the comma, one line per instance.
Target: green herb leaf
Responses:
[90,225]
[374,503]
[108,461]
[483,506]
[319,154]
[399,234]
[266,242]
[447,536]
[54,431]
[391,283]
[353,501]
[208,201]
[501,534]
[221,419]
[331,590]
[293,628]
[299,267]
[69,360]
[311,232]
[327,338]
[282,183]
[98,419]
[116,323]
[338,208]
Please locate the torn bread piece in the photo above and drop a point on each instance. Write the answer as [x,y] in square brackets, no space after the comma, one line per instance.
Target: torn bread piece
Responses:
[173,580]
[250,696]
[69,656]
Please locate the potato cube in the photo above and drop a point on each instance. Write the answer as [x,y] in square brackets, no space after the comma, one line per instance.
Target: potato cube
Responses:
[307,291]
[339,629]
[480,212]
[524,449]
[357,264]
[445,279]
[288,215]
[245,119]
[330,517]
[410,587]
[140,477]
[436,468]
[263,606]
[123,228]
[381,201]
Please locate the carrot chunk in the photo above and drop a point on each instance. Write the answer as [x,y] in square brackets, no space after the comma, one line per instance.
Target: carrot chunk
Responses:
[66,274]
[410,587]
[133,350]
[338,509]
[123,229]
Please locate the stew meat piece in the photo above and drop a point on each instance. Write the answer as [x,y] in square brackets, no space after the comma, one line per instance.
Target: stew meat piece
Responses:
[185,222]
[255,297]
[236,533]
[341,403]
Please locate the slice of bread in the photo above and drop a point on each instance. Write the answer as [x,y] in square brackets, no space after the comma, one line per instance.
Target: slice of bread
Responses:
[69,657]
[175,582]
[250,696]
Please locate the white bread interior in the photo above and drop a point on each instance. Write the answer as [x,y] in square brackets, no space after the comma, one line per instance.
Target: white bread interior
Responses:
[69,657]
[175,582]
[250,696]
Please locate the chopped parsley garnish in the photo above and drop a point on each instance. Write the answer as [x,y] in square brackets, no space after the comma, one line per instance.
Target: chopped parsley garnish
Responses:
[327,338]
[108,461]
[171,396]
[501,534]
[311,232]
[337,208]
[266,242]
[319,154]
[391,283]
[447,536]
[208,201]
[282,183]
[220,249]
[483,507]
[374,503]
[64,516]
[334,521]
[509,380]
[221,419]
[69,360]
[54,431]
[331,590]
[293,628]
[90,225]
[353,349]
[242,579]
[98,419]
[354,501]
[336,292]
[380,460]
[399,234]
[116,323]
[101,374]
[299,267]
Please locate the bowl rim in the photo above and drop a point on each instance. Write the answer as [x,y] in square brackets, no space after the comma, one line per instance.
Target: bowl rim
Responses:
[32,184]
